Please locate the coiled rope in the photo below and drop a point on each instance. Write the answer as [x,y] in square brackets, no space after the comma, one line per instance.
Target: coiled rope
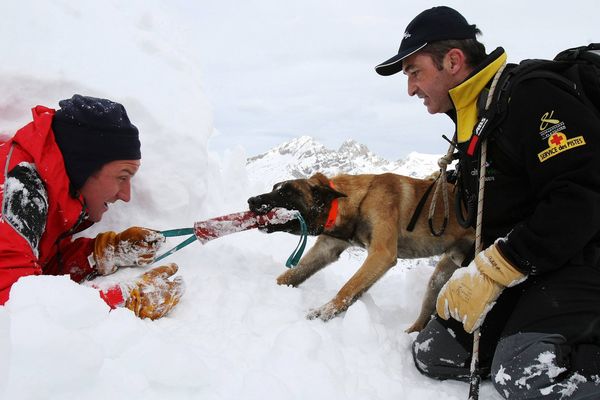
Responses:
[440,185]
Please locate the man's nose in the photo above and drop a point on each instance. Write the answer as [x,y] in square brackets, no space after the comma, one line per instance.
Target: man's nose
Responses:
[125,192]
[412,88]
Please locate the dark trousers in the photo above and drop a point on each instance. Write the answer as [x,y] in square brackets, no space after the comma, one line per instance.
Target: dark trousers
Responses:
[540,340]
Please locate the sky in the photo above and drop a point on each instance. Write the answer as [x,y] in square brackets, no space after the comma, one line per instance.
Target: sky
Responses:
[181,71]
[274,70]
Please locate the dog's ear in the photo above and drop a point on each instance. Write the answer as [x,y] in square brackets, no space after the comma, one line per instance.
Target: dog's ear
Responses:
[278,184]
[326,193]
[320,178]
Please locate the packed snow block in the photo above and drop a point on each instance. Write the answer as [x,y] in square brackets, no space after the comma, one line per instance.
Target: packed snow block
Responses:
[62,301]
[260,385]
[359,329]
[302,347]
[50,321]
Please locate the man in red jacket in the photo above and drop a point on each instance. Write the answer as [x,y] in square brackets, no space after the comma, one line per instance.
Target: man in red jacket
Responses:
[59,174]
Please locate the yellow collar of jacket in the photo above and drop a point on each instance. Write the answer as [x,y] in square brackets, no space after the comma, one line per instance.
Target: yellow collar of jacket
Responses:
[464,97]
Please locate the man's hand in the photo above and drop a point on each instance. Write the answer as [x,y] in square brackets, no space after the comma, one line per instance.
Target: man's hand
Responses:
[132,247]
[471,292]
[153,295]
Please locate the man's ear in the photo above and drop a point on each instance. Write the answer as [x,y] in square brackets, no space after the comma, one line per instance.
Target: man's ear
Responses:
[455,61]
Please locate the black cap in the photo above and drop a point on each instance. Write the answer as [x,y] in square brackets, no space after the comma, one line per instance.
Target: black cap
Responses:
[91,132]
[433,25]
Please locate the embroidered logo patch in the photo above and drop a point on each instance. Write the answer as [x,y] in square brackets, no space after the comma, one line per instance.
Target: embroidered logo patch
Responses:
[558,143]
[549,125]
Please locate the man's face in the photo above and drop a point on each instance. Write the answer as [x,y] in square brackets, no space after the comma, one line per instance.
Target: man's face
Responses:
[429,83]
[111,183]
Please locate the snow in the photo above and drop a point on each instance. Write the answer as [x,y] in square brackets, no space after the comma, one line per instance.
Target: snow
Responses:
[565,389]
[235,334]
[546,365]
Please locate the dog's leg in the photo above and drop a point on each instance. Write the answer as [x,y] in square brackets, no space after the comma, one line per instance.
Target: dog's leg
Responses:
[443,271]
[326,250]
[382,256]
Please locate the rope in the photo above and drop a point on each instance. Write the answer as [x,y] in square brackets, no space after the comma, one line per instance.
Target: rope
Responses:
[441,183]
[294,258]
[475,378]
[177,232]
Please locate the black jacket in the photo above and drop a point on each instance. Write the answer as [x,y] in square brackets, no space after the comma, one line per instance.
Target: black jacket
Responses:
[542,191]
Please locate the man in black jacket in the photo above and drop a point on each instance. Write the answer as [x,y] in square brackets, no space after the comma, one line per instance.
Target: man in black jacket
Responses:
[535,289]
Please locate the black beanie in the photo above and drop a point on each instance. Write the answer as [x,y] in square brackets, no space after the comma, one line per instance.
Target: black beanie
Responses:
[91,132]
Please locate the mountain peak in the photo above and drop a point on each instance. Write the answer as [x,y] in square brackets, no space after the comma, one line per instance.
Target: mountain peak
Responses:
[300,144]
[352,147]
[303,156]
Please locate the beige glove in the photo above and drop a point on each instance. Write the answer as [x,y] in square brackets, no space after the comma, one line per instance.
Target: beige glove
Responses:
[471,292]
[153,295]
[133,247]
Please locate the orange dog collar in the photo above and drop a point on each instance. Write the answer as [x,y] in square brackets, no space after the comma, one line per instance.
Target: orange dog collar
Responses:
[333,211]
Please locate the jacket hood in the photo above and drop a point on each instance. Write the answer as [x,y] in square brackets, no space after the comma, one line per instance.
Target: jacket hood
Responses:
[37,140]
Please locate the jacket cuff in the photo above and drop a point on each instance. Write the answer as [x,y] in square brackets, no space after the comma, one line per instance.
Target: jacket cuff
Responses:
[513,258]
[113,296]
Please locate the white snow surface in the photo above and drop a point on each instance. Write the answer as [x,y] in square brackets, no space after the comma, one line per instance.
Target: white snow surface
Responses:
[235,334]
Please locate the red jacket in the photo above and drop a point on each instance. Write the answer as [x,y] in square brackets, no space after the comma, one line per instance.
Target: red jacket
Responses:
[38,215]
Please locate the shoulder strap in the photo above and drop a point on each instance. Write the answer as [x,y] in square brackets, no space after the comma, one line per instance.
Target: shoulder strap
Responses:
[591,53]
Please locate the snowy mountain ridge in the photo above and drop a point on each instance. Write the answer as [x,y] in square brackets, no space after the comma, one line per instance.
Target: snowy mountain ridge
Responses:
[304,156]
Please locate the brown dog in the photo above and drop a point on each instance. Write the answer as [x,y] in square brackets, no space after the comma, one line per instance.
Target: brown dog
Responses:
[373,212]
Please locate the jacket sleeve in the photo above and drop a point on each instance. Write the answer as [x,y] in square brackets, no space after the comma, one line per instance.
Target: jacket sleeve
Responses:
[22,223]
[72,258]
[559,141]
[23,219]
[16,260]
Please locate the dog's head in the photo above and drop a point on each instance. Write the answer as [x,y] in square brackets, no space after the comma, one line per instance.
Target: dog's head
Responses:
[311,197]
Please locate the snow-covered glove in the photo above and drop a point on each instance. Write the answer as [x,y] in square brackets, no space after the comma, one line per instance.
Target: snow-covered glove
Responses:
[471,292]
[133,247]
[152,295]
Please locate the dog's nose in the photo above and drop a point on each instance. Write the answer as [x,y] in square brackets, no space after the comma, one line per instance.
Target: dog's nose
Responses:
[255,203]
[258,205]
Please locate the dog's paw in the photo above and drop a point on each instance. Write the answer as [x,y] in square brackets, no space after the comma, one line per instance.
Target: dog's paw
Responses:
[325,312]
[288,278]
[283,279]
[416,327]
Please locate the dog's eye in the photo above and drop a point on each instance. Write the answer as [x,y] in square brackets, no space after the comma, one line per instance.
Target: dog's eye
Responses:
[285,191]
